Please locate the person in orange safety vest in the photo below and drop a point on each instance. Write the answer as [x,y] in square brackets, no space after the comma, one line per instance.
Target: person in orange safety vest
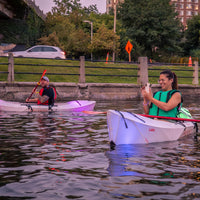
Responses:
[46,95]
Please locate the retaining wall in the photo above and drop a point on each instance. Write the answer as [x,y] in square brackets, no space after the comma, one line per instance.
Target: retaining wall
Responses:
[19,91]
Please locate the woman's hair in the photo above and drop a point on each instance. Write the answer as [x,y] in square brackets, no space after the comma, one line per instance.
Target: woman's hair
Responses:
[171,75]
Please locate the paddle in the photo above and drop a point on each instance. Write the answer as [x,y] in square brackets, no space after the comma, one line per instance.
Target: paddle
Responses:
[171,118]
[150,116]
[38,83]
[93,112]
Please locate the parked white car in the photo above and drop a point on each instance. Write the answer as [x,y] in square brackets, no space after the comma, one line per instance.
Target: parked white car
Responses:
[41,51]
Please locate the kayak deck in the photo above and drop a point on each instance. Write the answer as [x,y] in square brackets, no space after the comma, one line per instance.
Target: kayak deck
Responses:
[130,128]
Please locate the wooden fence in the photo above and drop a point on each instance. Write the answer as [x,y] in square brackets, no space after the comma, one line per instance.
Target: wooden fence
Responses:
[142,76]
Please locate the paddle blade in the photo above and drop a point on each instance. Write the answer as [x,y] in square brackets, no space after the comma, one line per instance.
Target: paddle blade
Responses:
[93,112]
[44,72]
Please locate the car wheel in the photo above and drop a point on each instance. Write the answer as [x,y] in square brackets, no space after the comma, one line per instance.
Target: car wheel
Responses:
[57,58]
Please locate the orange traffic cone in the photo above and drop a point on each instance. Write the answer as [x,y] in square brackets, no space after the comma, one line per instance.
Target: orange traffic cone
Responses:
[107,57]
[190,62]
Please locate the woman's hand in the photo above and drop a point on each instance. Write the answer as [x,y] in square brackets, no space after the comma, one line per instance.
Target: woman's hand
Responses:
[146,95]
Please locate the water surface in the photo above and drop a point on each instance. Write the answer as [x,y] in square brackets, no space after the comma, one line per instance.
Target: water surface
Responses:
[67,156]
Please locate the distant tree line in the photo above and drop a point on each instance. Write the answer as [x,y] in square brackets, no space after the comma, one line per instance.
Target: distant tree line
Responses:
[152,26]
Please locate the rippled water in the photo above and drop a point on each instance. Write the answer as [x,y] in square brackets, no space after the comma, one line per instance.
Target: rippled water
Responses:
[67,156]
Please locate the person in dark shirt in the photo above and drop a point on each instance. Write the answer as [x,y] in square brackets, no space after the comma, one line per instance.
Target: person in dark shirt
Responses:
[46,96]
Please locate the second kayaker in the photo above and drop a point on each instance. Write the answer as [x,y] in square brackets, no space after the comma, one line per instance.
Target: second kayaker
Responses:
[46,96]
[165,102]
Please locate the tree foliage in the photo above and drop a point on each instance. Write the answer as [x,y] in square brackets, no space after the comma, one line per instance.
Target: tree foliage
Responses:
[151,25]
[65,7]
[65,27]
[192,36]
[65,34]
[104,41]
[52,39]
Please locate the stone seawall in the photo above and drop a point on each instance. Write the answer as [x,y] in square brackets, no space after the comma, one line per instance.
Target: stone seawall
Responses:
[19,91]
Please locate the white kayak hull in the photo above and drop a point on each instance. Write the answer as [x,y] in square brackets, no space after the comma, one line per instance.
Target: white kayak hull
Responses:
[72,106]
[127,128]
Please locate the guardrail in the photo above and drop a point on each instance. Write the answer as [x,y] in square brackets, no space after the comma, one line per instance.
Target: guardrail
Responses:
[143,72]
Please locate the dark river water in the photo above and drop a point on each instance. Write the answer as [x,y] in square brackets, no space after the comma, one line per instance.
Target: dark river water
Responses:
[50,156]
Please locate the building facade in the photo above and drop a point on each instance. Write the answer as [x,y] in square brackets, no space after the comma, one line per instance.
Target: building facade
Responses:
[185,8]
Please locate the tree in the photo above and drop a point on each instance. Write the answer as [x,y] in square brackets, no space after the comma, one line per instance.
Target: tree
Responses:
[151,25]
[65,27]
[66,35]
[104,41]
[91,9]
[51,40]
[192,35]
[65,7]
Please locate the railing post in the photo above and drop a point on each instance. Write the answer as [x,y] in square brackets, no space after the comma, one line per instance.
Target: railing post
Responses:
[82,70]
[11,76]
[195,80]
[143,71]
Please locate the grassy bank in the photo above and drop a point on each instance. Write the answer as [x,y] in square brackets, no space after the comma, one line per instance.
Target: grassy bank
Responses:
[91,79]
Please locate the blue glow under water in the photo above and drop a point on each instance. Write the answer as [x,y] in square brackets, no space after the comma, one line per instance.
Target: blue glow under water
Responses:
[67,156]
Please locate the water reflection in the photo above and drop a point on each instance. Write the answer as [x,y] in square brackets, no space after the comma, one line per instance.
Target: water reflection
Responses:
[67,156]
[156,171]
[120,160]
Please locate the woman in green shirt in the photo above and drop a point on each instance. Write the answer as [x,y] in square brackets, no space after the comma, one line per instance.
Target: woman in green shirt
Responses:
[165,102]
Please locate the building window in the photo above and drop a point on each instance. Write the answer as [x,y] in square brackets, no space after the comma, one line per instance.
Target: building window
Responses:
[181,12]
[176,5]
[196,7]
[181,0]
[195,13]
[195,1]
[189,6]
[189,0]
[181,6]
[189,13]
[182,19]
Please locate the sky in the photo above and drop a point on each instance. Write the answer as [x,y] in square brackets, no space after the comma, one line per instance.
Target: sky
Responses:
[46,5]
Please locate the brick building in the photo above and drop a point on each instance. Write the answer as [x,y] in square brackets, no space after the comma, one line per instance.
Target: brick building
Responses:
[185,8]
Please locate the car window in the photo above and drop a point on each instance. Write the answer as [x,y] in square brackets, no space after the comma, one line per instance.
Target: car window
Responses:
[49,49]
[35,49]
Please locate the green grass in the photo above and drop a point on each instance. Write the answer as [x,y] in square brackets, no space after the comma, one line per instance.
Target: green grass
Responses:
[89,79]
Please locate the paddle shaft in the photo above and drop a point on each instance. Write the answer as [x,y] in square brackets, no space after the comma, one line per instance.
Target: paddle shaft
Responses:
[171,118]
[37,84]
[150,116]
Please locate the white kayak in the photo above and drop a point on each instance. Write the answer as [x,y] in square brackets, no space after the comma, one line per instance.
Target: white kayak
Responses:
[130,128]
[72,106]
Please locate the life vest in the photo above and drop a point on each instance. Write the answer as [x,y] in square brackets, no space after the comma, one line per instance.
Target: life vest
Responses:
[164,96]
[41,92]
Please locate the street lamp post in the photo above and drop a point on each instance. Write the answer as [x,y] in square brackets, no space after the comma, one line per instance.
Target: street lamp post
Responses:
[91,23]
[115,19]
